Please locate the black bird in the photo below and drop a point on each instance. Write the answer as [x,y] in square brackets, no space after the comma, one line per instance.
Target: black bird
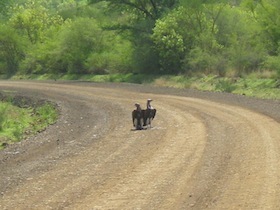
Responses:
[137,117]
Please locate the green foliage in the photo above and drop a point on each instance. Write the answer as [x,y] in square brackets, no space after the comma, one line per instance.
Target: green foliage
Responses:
[3,112]
[16,122]
[44,116]
[68,51]
[116,56]
[128,36]
[80,47]
[4,4]
[32,20]
[209,38]
[140,20]
[207,55]
[108,62]
[266,13]
[76,41]
[181,36]
[225,85]
[42,58]
[255,87]
[11,50]
[200,60]
[71,9]
[145,58]
[172,40]
[273,62]
[239,33]
[13,121]
[144,8]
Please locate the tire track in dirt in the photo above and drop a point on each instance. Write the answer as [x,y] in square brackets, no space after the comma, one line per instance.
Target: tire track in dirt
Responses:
[199,154]
[240,166]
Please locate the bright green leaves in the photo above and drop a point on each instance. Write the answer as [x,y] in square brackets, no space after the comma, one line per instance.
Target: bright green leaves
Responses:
[178,34]
[210,38]
[145,36]
[33,20]
[169,39]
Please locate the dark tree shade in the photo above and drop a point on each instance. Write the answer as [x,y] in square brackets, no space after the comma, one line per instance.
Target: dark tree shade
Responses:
[151,9]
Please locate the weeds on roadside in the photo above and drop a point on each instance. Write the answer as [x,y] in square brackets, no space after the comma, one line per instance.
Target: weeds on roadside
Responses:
[225,86]
[264,84]
[15,122]
[3,111]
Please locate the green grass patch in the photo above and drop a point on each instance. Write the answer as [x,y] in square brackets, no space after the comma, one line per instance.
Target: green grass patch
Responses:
[43,116]
[17,123]
[268,88]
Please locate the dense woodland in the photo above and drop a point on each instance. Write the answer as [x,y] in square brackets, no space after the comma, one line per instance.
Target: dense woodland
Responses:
[139,36]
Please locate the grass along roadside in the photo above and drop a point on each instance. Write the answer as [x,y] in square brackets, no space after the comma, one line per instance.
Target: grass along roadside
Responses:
[266,88]
[260,86]
[16,123]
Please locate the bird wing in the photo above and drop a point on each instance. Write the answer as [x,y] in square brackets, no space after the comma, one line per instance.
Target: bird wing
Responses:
[154,113]
[144,113]
[133,116]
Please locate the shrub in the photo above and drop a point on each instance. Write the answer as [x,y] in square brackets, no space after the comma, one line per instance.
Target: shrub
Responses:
[225,85]
[273,63]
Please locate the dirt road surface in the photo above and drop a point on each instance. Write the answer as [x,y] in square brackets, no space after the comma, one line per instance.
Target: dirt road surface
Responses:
[204,151]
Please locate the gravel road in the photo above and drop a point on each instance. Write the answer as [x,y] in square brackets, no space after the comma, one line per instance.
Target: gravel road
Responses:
[205,151]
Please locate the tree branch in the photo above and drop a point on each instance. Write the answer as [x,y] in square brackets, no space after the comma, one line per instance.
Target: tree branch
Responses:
[135,6]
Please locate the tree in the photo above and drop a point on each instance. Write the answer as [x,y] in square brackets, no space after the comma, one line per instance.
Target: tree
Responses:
[78,40]
[33,20]
[181,31]
[241,36]
[149,9]
[140,17]
[210,37]
[3,8]
[170,40]
[68,49]
[11,50]
[266,13]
